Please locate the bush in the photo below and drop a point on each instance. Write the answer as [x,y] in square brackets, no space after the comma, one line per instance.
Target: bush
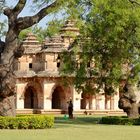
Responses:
[37,122]
[26,122]
[4,124]
[12,123]
[137,122]
[23,122]
[49,122]
[119,121]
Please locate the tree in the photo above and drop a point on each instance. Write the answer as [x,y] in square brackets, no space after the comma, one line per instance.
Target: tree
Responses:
[11,49]
[52,28]
[108,51]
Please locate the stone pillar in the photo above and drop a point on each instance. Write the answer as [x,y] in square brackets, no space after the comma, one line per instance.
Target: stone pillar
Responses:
[76,100]
[90,102]
[102,102]
[97,102]
[112,103]
[107,102]
[48,95]
[93,103]
[87,103]
[68,91]
[20,95]
[40,100]
[116,99]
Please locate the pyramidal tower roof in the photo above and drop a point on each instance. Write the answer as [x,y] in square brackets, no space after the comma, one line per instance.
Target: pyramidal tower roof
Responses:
[69,27]
[31,44]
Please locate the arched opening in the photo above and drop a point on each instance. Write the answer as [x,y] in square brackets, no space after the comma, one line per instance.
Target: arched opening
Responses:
[30,98]
[58,98]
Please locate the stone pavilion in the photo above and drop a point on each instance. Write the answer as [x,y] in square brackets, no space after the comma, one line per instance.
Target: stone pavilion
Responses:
[39,86]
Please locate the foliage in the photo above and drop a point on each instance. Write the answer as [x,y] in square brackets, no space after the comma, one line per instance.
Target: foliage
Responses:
[2,2]
[23,34]
[51,29]
[2,29]
[2,24]
[26,122]
[119,120]
[109,39]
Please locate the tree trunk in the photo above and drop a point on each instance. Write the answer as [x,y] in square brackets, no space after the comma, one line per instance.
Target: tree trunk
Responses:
[133,112]
[7,80]
[7,106]
[7,93]
[131,108]
[130,101]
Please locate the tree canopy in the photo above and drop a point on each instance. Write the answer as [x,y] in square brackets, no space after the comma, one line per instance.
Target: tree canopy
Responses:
[108,47]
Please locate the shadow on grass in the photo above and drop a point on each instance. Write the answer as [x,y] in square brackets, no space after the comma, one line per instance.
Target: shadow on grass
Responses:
[83,120]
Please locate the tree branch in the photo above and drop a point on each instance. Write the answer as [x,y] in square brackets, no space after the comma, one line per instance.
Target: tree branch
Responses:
[19,7]
[12,14]
[18,24]
[135,2]
[7,12]
[25,22]
[15,11]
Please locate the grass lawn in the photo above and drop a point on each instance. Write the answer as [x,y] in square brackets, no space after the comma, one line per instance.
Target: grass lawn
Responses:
[81,128]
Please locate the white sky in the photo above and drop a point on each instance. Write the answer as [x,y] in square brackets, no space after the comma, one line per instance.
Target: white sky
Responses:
[26,12]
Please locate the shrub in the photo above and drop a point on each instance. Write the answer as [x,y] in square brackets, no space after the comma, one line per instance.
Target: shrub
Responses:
[137,122]
[4,124]
[49,122]
[26,122]
[12,123]
[119,121]
[37,122]
[23,122]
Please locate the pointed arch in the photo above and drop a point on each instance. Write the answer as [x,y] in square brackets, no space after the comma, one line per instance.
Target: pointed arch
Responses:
[57,97]
[33,96]
[30,98]
[60,96]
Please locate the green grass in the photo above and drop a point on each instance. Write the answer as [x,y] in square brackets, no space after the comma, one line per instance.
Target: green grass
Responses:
[80,128]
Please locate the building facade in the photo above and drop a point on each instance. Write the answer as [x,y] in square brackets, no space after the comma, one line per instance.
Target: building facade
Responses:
[39,86]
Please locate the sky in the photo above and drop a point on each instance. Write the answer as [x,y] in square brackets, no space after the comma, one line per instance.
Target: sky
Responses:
[27,11]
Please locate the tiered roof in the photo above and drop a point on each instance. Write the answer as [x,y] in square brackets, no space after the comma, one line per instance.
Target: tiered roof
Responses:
[68,28]
[31,44]
[53,44]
